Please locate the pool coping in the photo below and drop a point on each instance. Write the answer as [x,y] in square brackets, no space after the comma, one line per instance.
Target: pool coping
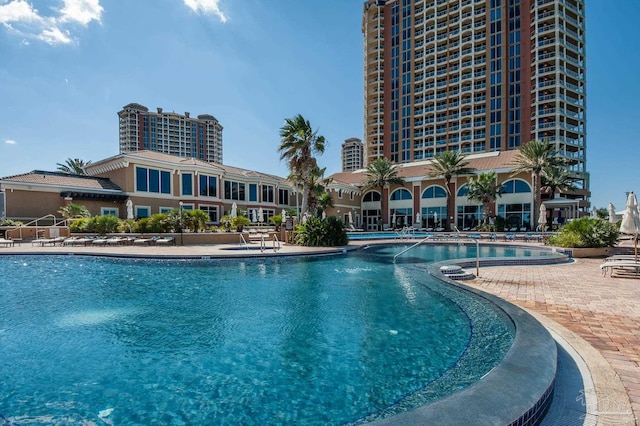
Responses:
[525,377]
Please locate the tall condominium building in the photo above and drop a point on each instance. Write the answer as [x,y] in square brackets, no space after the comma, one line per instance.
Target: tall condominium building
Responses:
[170,133]
[475,76]
[352,154]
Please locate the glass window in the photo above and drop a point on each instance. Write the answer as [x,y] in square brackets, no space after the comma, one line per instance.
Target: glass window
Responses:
[165,182]
[108,211]
[143,211]
[141,179]
[187,184]
[154,180]
[208,186]
[371,196]
[401,194]
[434,192]
[253,192]
[463,191]
[267,194]
[283,196]
[212,211]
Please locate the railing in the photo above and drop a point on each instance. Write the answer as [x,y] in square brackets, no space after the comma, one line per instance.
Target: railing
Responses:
[62,222]
[243,242]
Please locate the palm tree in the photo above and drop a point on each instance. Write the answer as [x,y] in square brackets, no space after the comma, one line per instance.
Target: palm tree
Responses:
[324,202]
[556,178]
[380,173]
[485,189]
[74,211]
[73,166]
[533,157]
[448,164]
[299,142]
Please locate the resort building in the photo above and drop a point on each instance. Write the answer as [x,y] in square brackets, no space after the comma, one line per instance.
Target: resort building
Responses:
[154,182]
[352,154]
[475,76]
[422,201]
[170,133]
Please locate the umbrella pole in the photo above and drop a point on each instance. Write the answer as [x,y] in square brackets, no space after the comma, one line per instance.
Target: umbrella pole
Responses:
[635,246]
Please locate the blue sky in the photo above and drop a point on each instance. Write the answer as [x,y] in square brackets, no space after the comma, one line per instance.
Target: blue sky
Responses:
[68,66]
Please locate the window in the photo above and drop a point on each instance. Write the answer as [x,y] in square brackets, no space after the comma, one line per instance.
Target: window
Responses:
[371,196]
[515,186]
[212,211]
[234,190]
[143,211]
[187,184]
[152,180]
[401,194]
[267,194]
[253,192]
[434,192]
[283,196]
[208,186]
[109,211]
[463,191]
[166,209]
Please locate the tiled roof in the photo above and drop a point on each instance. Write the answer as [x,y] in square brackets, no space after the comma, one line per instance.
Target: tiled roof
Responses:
[499,161]
[39,177]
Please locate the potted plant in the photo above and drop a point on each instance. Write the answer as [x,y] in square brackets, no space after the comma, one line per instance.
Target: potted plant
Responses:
[587,237]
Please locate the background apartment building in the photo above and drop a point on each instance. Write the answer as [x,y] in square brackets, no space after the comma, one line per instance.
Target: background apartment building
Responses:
[475,76]
[170,133]
[352,154]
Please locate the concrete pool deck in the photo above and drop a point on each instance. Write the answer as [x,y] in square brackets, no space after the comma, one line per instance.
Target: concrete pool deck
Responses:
[598,316]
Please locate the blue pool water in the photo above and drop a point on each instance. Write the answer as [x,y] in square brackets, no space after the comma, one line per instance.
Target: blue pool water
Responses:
[332,340]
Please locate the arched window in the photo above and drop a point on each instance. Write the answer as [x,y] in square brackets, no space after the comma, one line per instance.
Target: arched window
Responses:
[515,186]
[371,196]
[463,190]
[401,194]
[434,192]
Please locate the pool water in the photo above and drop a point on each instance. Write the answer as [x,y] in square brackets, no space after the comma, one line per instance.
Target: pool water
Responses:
[307,341]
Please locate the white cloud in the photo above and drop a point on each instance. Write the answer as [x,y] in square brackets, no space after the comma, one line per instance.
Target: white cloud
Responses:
[22,19]
[10,142]
[81,11]
[208,7]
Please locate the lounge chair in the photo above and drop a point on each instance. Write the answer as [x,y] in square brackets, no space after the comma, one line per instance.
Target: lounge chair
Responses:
[145,241]
[621,266]
[7,243]
[509,236]
[166,241]
[48,241]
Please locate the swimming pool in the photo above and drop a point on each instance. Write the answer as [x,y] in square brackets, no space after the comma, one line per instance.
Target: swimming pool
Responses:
[330,341]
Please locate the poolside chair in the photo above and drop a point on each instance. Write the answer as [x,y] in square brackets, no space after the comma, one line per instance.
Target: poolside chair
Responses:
[6,243]
[621,267]
[166,241]
[145,241]
[509,236]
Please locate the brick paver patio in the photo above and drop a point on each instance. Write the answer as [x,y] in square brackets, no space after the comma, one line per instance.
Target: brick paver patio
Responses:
[604,311]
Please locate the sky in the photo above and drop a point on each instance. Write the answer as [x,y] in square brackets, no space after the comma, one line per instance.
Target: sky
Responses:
[68,66]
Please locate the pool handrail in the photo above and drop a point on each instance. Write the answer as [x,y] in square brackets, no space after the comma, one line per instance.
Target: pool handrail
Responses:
[476,240]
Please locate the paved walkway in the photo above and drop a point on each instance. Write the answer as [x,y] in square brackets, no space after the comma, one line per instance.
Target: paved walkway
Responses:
[573,300]
[603,311]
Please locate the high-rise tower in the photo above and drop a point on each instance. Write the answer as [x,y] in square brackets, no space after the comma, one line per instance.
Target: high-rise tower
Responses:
[475,76]
[170,133]
[352,154]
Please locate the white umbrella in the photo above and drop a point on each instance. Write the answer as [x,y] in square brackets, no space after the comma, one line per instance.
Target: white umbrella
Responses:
[612,213]
[542,216]
[631,221]
[260,215]
[234,209]
[129,209]
[350,218]
[254,216]
[393,220]
[435,219]
[284,214]
[594,212]
[418,218]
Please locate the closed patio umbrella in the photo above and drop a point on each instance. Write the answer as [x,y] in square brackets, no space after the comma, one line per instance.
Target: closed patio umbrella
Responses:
[612,213]
[260,215]
[631,221]
[393,220]
[254,216]
[234,209]
[542,217]
[350,218]
[418,219]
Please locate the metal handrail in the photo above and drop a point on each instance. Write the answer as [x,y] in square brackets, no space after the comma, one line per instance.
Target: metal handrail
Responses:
[24,225]
[276,242]
[243,241]
[476,240]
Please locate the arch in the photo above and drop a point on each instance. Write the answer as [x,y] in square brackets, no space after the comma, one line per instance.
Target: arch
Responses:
[515,186]
[463,191]
[371,196]
[401,194]
[434,191]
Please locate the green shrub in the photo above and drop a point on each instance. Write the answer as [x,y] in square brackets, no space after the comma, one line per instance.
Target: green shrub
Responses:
[159,223]
[142,226]
[586,232]
[10,222]
[102,225]
[79,225]
[239,222]
[318,232]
